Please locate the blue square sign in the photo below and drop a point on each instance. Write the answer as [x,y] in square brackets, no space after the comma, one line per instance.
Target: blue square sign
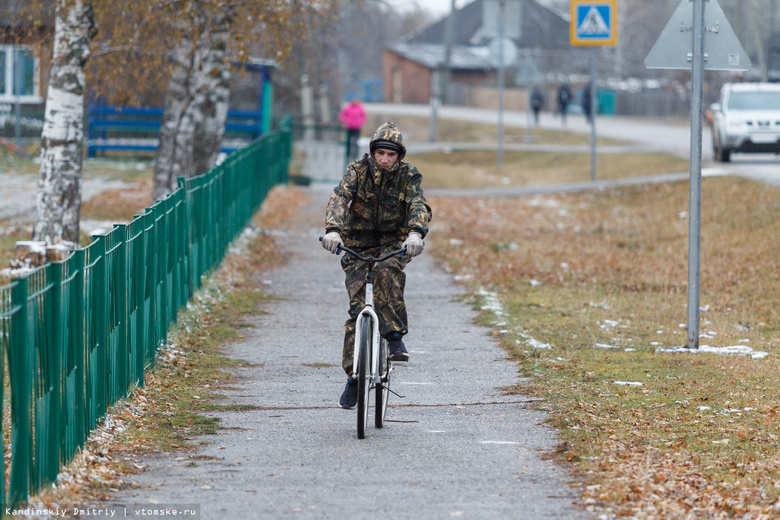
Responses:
[593,22]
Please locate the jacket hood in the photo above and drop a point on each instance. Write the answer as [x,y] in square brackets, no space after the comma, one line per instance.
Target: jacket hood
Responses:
[388,132]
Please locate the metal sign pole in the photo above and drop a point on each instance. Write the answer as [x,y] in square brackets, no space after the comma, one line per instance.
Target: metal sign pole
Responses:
[694,223]
[529,88]
[500,156]
[435,103]
[17,64]
[593,110]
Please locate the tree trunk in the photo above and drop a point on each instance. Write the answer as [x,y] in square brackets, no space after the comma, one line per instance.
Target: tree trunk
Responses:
[175,149]
[62,139]
[215,84]
[196,105]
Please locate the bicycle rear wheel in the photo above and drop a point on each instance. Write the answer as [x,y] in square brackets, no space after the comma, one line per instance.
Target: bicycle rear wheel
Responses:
[382,389]
[363,375]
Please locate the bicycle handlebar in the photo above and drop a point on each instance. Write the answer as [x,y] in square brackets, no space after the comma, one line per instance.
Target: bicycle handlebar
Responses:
[391,254]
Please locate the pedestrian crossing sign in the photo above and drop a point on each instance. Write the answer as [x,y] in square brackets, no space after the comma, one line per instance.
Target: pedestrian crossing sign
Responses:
[593,22]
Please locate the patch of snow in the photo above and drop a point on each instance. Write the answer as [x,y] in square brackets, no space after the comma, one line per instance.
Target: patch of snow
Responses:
[734,349]
[535,343]
[493,304]
[34,245]
[628,383]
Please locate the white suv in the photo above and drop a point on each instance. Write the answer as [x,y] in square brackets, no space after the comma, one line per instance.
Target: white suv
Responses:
[747,119]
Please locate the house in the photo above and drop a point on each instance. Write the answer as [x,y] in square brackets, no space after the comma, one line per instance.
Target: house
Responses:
[540,34]
[20,68]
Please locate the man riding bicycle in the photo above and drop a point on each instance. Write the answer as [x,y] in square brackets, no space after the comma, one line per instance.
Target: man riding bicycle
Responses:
[378,207]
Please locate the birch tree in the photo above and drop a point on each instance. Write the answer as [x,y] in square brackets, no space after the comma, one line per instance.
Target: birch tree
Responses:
[214,82]
[175,148]
[212,35]
[62,140]
[196,103]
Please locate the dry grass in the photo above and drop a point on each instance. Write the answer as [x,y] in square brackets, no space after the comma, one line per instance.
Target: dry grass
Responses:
[119,205]
[476,169]
[601,278]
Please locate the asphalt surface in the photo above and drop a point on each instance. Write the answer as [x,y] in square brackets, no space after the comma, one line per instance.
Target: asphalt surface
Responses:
[455,446]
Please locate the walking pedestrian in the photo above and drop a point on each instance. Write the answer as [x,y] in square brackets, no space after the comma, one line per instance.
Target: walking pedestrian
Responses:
[537,100]
[353,116]
[564,98]
[586,103]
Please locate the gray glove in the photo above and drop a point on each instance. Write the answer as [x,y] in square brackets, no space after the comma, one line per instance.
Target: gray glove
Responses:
[414,244]
[331,241]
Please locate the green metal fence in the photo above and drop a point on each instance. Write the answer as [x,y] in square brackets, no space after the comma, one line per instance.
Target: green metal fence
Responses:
[78,334]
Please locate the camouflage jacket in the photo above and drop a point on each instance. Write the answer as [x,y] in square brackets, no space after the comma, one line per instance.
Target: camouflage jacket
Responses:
[371,208]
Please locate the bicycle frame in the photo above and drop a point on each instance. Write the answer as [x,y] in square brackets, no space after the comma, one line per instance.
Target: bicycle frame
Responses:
[373,373]
[368,309]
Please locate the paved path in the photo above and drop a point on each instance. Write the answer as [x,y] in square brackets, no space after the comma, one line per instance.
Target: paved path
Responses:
[650,135]
[454,447]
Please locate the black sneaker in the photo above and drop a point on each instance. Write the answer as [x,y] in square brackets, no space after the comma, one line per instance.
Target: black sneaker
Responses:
[349,397]
[397,350]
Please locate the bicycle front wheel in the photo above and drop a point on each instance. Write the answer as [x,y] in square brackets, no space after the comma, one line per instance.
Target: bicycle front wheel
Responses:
[363,375]
[383,388]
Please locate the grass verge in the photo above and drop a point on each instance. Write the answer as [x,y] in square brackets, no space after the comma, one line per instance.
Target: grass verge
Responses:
[477,169]
[584,289]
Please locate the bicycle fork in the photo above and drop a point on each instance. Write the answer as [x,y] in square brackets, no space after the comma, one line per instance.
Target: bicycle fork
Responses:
[368,310]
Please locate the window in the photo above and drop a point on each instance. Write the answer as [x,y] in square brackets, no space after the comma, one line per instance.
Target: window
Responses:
[18,75]
[756,100]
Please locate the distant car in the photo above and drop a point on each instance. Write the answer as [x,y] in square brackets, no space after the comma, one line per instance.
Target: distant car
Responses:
[746,119]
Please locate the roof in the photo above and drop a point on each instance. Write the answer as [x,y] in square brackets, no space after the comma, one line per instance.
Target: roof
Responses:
[541,27]
[430,55]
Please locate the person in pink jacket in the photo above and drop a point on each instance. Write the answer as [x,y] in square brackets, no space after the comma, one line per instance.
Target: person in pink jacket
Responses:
[353,116]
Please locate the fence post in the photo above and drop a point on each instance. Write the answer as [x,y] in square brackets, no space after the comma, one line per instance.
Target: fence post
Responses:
[100,314]
[121,268]
[19,357]
[152,281]
[56,429]
[79,348]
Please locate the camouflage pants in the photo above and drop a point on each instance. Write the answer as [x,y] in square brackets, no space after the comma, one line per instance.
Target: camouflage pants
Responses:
[389,283]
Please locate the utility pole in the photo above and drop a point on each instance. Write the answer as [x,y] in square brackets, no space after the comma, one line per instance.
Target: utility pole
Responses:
[501,67]
[757,40]
[449,28]
[441,76]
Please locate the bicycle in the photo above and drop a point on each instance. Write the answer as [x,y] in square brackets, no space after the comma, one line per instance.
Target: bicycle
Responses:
[370,363]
